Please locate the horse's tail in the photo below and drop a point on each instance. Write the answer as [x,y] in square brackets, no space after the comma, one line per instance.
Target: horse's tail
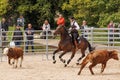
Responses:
[89,45]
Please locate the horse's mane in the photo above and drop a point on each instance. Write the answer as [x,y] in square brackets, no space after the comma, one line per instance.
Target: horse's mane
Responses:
[66,30]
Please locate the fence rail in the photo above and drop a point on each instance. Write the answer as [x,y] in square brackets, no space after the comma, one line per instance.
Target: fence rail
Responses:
[96,36]
[110,38]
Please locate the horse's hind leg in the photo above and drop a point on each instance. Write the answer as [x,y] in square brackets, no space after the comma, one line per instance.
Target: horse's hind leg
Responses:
[54,61]
[83,55]
[61,59]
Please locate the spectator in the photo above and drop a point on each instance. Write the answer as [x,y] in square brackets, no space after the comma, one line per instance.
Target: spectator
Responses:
[29,34]
[110,32]
[4,24]
[46,28]
[17,36]
[83,28]
[4,28]
[20,21]
[61,20]
[74,31]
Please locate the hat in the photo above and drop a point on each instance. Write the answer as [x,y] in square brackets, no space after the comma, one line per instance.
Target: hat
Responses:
[72,17]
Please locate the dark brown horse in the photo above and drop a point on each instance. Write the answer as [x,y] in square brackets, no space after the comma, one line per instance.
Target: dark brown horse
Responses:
[66,45]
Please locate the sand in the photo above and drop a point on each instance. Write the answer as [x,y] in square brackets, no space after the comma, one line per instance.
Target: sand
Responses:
[35,68]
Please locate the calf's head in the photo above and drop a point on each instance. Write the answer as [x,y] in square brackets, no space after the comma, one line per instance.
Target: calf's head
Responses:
[5,51]
[113,54]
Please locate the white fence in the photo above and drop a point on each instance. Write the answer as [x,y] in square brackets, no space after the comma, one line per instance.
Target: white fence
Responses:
[40,42]
[99,37]
[103,37]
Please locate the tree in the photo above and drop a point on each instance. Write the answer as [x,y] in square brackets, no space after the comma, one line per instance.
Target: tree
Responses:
[96,12]
[35,11]
[3,7]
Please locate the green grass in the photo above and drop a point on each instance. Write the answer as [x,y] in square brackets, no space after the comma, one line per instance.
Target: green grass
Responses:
[11,31]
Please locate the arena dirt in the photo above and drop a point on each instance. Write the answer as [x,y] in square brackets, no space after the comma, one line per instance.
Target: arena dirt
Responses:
[34,68]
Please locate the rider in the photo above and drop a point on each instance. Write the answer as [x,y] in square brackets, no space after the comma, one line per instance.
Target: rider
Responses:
[74,31]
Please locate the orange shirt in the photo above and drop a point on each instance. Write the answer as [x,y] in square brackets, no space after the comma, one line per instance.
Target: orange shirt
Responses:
[61,21]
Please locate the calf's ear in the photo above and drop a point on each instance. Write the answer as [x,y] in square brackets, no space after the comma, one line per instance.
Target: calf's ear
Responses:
[10,50]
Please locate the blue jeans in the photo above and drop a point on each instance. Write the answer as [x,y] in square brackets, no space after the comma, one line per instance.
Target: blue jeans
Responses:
[17,44]
[29,42]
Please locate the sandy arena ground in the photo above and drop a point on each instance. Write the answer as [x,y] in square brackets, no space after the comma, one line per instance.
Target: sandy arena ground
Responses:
[34,68]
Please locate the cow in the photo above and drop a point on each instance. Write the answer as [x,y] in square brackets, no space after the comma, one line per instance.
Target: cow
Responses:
[98,56]
[14,53]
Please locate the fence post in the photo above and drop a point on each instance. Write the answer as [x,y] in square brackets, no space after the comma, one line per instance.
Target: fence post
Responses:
[0,42]
[113,37]
[47,44]
[92,36]
[108,38]
[24,41]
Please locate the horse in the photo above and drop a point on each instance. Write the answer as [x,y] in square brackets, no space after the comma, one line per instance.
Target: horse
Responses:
[66,45]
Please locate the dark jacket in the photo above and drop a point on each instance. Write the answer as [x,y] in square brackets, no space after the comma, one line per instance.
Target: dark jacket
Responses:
[18,35]
[29,35]
[4,26]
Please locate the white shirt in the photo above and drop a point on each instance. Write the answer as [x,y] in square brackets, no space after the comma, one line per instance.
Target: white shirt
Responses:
[75,24]
[46,27]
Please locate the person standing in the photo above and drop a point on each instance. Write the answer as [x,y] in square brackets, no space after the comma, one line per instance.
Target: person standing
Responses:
[83,28]
[17,36]
[74,31]
[20,21]
[4,24]
[4,28]
[30,37]
[61,20]
[110,32]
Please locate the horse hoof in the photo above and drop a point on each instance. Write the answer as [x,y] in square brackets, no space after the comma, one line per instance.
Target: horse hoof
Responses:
[65,65]
[77,64]
[64,61]
[78,73]
[54,62]
[12,62]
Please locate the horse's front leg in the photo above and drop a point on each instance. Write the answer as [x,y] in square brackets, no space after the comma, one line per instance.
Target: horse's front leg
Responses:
[73,54]
[60,57]
[54,61]
[83,55]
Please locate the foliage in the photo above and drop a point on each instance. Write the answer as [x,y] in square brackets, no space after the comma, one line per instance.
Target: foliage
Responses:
[97,12]
[3,7]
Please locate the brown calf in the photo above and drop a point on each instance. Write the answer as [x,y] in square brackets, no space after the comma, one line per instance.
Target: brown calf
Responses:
[98,56]
[15,54]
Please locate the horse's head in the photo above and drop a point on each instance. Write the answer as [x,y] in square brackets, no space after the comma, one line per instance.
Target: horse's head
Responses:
[59,30]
